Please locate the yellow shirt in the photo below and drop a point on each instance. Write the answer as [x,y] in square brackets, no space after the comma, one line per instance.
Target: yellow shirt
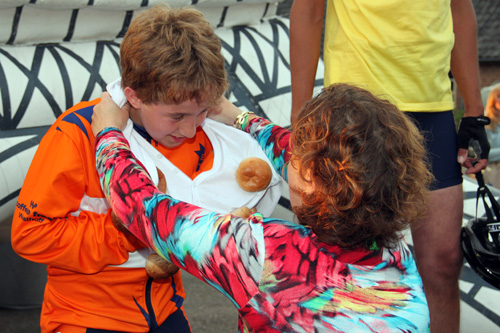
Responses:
[398,49]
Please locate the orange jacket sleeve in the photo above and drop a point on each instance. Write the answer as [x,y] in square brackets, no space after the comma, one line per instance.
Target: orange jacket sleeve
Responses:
[56,221]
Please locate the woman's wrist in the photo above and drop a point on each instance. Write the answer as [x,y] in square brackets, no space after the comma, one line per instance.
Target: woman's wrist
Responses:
[242,119]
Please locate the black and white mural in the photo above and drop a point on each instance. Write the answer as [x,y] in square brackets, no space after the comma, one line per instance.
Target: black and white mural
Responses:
[56,53]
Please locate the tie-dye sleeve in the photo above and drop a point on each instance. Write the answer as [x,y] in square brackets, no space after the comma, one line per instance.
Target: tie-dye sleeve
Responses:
[274,141]
[226,252]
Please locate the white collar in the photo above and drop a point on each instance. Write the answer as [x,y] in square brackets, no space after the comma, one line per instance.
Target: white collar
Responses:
[115,90]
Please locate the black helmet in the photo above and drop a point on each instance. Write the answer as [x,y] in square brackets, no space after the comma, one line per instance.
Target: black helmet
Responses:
[480,239]
[481,250]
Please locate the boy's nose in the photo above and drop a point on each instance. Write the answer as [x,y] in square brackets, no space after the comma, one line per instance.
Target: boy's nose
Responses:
[188,127]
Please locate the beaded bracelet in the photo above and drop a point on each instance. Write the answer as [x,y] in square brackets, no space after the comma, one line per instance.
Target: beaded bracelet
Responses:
[241,119]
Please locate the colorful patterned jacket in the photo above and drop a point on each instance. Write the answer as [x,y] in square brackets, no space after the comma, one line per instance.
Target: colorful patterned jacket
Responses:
[278,274]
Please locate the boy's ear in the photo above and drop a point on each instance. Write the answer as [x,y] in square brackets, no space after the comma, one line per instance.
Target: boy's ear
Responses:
[132,98]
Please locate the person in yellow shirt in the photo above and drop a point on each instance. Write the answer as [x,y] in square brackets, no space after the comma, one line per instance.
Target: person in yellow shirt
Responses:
[404,51]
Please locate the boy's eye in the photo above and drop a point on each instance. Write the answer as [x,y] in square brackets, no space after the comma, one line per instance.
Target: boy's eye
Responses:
[176,117]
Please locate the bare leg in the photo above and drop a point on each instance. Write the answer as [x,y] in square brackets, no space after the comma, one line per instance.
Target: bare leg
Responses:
[436,239]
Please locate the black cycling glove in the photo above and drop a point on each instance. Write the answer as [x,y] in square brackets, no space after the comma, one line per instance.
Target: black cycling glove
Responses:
[471,132]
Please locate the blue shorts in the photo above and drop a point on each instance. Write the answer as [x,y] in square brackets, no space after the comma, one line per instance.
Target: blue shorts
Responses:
[440,133]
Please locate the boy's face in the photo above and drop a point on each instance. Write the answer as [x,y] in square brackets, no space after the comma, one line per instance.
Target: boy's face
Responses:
[170,124]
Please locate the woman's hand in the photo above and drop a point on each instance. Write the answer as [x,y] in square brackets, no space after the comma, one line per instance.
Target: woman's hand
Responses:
[108,114]
[224,112]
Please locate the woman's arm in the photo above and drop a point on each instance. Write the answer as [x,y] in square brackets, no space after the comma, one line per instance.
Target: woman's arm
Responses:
[225,251]
[273,139]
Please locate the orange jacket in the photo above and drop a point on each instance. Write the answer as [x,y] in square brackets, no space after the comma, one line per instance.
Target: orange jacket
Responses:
[62,220]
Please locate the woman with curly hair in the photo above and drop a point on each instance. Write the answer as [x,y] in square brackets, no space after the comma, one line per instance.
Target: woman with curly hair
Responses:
[492,110]
[357,173]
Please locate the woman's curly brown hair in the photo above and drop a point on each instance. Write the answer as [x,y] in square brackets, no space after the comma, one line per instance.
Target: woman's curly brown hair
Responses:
[368,164]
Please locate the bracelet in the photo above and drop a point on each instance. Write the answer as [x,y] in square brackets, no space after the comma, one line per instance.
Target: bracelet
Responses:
[241,119]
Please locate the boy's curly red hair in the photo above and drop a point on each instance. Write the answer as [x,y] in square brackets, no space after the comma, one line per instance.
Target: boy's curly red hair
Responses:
[368,164]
